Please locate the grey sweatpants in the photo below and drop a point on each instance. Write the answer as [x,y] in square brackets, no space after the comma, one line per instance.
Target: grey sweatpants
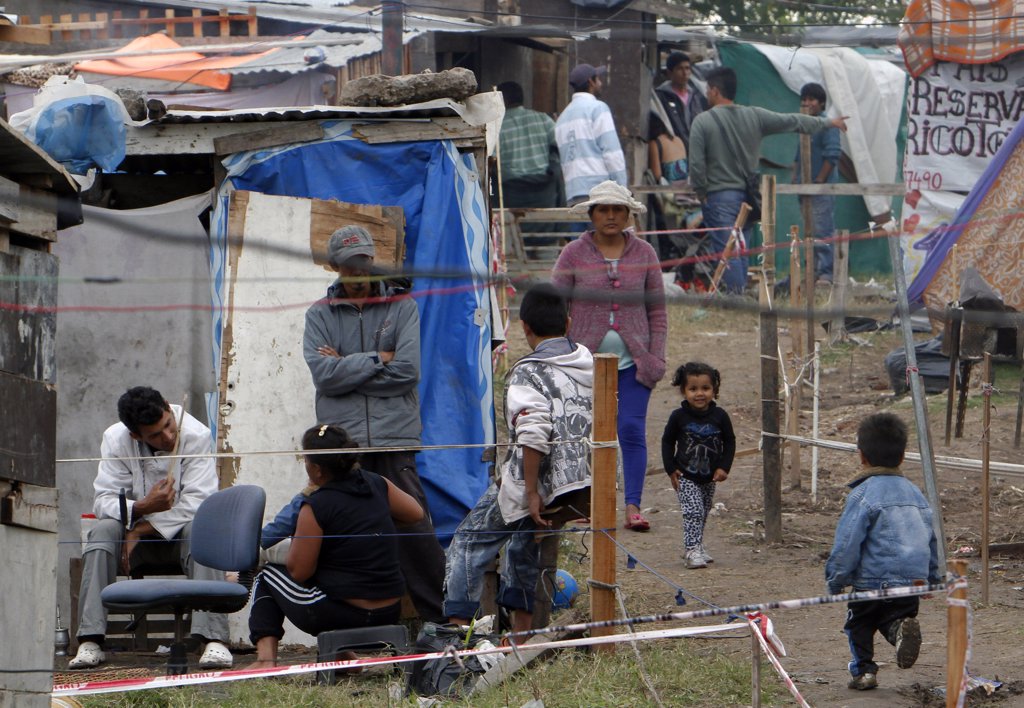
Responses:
[100,561]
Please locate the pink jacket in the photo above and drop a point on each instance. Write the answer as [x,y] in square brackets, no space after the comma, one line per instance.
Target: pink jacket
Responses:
[638,302]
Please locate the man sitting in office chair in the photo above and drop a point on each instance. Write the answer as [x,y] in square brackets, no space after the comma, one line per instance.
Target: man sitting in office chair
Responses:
[153,521]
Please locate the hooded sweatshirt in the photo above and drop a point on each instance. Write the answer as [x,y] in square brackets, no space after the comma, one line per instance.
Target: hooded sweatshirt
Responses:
[377,403]
[548,400]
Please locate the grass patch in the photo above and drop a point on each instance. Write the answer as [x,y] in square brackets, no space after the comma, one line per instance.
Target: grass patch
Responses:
[571,678]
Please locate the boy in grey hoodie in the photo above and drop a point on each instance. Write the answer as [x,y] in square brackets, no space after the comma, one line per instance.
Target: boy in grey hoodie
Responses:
[548,411]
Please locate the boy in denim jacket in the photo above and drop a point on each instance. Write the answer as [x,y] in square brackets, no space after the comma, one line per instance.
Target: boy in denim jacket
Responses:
[884,539]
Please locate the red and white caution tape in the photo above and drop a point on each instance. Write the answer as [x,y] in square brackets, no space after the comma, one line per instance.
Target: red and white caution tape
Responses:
[140,684]
[768,651]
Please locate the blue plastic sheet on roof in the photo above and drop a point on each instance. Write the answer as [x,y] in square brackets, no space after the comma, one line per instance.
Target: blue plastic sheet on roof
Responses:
[446,232]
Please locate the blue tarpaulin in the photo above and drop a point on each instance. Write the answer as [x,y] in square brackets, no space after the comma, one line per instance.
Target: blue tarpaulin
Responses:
[446,233]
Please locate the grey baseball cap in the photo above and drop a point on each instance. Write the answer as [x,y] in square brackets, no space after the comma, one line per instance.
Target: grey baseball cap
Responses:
[350,242]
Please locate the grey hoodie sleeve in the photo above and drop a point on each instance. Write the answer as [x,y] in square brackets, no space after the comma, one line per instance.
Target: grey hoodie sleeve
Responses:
[402,373]
[334,376]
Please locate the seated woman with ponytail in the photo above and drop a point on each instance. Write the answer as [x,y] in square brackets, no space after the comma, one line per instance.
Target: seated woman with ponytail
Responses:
[342,568]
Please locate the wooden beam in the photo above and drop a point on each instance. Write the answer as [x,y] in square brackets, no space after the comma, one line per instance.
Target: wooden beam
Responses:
[25,34]
[268,137]
[840,189]
[434,129]
[30,506]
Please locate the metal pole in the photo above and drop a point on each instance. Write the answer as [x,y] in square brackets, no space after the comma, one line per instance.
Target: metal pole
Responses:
[392,19]
[924,437]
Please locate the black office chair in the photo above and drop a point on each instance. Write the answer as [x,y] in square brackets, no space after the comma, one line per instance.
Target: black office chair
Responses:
[225,536]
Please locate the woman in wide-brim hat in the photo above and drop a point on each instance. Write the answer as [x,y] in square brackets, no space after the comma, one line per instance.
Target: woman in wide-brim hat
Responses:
[613,279]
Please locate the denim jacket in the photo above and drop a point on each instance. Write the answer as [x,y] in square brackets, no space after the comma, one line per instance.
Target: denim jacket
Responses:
[884,537]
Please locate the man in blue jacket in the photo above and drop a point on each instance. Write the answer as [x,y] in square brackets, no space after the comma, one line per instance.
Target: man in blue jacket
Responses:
[884,539]
[362,346]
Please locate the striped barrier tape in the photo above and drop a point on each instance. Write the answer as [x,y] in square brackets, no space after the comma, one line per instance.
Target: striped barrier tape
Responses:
[776,664]
[139,684]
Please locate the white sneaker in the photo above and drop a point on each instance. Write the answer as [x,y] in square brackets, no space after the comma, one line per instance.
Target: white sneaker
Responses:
[89,656]
[704,552]
[695,559]
[216,656]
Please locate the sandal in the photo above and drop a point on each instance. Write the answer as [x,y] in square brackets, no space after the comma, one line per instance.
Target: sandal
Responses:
[637,522]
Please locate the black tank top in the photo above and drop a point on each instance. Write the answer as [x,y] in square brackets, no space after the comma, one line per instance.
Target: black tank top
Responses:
[359,552]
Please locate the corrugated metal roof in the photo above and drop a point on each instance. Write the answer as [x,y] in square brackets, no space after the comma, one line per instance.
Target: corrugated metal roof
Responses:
[287,60]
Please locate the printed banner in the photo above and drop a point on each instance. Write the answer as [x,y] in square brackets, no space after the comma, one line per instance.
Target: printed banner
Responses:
[958,115]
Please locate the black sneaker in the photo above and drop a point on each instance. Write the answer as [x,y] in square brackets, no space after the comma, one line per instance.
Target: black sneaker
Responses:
[908,642]
[864,682]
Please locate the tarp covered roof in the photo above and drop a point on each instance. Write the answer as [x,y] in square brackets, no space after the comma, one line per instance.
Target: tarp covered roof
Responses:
[187,67]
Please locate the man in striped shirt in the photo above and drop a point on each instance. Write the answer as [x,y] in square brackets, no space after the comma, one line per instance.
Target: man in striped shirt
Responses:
[587,142]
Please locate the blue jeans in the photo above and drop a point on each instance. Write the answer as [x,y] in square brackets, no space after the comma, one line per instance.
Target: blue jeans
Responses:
[822,226]
[720,210]
[473,549]
[632,430]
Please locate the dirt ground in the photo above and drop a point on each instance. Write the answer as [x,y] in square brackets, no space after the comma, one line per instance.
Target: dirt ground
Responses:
[747,570]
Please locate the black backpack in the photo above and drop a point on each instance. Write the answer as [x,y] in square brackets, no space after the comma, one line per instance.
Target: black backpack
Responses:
[443,676]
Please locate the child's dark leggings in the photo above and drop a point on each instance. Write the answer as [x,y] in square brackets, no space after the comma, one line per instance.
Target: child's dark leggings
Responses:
[863,619]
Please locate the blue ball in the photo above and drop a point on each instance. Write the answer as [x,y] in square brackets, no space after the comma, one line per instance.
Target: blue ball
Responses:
[566,590]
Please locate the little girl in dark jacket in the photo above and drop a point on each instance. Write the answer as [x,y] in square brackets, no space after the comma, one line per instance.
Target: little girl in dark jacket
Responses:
[697,449]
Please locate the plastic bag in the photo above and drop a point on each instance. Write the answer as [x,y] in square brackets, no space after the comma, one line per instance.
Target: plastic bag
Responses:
[78,125]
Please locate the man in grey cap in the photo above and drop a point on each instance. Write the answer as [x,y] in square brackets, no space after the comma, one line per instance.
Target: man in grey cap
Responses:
[362,346]
[585,132]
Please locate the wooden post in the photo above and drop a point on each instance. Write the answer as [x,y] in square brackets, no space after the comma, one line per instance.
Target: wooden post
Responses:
[602,494]
[768,227]
[253,22]
[840,280]
[986,439]
[956,636]
[809,290]
[103,33]
[66,20]
[771,446]
[225,24]
[795,371]
[197,24]
[755,668]
[85,33]
[171,27]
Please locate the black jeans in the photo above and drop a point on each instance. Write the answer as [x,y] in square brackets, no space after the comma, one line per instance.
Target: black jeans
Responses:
[865,618]
[419,552]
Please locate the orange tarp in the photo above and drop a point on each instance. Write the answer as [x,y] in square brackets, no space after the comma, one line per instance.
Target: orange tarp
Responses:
[185,66]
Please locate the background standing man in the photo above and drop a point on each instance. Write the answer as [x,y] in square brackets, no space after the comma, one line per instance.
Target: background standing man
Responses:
[529,153]
[825,152]
[159,514]
[725,146]
[587,142]
[680,95]
[362,346]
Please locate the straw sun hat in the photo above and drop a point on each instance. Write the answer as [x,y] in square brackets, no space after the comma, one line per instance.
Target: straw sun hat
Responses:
[609,192]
